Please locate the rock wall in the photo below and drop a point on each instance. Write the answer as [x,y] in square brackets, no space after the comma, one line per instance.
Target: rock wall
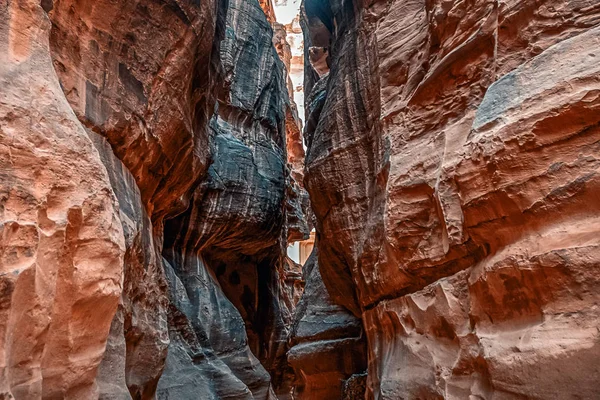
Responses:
[327,342]
[146,201]
[62,244]
[234,231]
[152,173]
[452,166]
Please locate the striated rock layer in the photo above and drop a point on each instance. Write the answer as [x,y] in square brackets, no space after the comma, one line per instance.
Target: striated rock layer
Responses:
[452,166]
[61,241]
[146,201]
[234,232]
[152,173]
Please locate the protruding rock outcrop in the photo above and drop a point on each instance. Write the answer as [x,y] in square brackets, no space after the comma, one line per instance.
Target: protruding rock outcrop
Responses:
[233,232]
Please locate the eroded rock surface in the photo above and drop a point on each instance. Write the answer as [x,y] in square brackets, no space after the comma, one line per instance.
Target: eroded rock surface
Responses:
[61,240]
[236,223]
[328,343]
[118,117]
[137,345]
[152,173]
[453,172]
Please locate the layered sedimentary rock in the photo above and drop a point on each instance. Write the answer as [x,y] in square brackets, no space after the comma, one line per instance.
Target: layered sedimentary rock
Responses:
[143,73]
[328,343]
[116,118]
[61,243]
[150,96]
[234,230]
[453,172]
[152,173]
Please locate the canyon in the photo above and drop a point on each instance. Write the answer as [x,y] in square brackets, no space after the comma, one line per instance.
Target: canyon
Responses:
[159,159]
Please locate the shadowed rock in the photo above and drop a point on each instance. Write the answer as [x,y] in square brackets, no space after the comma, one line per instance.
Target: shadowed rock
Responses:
[443,241]
[327,342]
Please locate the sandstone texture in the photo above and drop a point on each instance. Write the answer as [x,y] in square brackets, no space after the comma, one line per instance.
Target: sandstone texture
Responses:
[146,201]
[328,343]
[157,157]
[62,244]
[452,166]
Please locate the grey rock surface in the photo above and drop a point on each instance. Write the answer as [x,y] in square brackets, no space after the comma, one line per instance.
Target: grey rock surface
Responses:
[327,341]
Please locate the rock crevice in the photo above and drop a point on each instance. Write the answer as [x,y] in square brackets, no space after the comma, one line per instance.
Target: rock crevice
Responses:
[156,160]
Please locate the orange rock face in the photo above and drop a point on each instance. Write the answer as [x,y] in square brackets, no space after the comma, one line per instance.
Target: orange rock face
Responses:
[61,241]
[453,171]
[117,121]
[152,173]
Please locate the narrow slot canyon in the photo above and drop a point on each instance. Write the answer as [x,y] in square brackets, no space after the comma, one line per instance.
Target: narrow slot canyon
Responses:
[299,199]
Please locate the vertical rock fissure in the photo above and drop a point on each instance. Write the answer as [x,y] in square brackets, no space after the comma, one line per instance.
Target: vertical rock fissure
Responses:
[344,145]
[299,199]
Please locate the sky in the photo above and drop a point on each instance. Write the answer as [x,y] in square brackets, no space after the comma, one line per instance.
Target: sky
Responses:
[285,13]
[286,10]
